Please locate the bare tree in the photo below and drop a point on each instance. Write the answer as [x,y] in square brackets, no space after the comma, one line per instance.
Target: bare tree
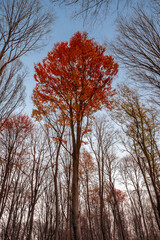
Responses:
[87,175]
[102,143]
[39,164]
[138,46]
[11,89]
[141,126]
[58,131]
[23,23]
[13,137]
[133,182]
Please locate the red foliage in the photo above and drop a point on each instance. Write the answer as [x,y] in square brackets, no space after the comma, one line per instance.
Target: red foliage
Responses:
[86,161]
[119,195]
[13,134]
[74,78]
[18,123]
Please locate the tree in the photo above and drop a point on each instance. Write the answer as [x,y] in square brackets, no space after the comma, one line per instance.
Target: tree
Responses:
[55,141]
[141,126]
[13,147]
[137,47]
[39,164]
[87,171]
[102,143]
[22,25]
[134,184]
[11,89]
[74,80]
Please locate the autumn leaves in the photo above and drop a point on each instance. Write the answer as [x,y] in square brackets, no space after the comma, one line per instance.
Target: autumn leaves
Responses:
[75,75]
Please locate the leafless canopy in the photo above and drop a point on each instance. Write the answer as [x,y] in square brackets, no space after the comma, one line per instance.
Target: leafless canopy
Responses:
[94,8]
[138,47]
[23,23]
[11,89]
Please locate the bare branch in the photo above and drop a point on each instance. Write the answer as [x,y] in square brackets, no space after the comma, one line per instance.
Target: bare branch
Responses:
[93,8]
[138,48]
[12,90]
[22,25]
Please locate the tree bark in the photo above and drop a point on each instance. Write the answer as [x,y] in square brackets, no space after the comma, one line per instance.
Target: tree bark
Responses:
[75,202]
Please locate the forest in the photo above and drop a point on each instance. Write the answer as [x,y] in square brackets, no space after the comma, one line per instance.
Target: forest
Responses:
[86,163]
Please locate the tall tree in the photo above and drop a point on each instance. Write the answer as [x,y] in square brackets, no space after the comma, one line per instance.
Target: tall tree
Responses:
[141,125]
[11,89]
[74,80]
[137,47]
[23,23]
[13,138]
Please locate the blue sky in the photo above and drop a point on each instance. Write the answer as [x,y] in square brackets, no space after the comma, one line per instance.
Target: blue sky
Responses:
[62,30]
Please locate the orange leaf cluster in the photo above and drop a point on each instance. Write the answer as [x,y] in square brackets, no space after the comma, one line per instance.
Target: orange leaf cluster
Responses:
[19,123]
[59,140]
[120,196]
[86,162]
[74,79]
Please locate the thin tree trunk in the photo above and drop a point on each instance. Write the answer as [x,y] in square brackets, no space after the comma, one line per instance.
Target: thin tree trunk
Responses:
[56,194]
[89,210]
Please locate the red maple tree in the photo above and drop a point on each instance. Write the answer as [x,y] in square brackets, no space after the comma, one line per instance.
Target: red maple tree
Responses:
[74,81]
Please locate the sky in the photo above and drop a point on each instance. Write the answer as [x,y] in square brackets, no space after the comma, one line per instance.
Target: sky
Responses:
[63,29]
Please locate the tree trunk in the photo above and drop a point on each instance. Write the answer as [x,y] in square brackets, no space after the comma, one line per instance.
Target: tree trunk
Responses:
[56,194]
[89,210]
[75,202]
